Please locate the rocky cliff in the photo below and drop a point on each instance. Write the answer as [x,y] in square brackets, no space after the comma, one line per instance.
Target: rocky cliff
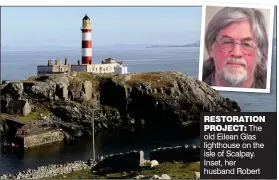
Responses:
[141,100]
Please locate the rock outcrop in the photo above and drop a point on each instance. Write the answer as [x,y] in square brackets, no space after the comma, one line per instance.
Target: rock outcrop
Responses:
[160,99]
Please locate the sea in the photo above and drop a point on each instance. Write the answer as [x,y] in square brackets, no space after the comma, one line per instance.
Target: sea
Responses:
[20,64]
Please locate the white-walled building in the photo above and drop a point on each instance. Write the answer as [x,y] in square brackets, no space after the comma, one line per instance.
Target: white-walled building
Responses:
[121,69]
[107,66]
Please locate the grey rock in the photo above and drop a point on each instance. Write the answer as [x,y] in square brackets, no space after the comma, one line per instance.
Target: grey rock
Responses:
[124,174]
[155,177]
[140,177]
[87,89]
[197,175]
[165,176]
[127,78]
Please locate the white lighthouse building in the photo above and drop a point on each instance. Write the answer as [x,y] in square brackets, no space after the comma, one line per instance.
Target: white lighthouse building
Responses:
[86,64]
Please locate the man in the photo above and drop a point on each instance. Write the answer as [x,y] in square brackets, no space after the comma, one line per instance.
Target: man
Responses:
[237,45]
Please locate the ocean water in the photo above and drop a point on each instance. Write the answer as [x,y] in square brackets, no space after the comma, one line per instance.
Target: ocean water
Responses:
[61,153]
[16,65]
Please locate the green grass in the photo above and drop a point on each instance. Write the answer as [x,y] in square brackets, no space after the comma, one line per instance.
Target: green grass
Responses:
[30,117]
[174,170]
[35,115]
[157,80]
[84,76]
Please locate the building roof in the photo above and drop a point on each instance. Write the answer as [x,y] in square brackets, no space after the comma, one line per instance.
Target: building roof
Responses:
[86,17]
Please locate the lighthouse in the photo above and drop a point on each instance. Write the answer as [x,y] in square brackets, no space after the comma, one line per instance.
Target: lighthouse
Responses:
[86,41]
[108,65]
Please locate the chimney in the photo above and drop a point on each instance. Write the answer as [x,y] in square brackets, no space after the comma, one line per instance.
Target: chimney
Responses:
[57,61]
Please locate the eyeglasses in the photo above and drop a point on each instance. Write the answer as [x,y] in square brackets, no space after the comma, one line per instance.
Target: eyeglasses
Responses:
[227,45]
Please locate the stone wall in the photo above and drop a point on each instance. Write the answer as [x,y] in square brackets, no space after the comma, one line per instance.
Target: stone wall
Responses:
[120,162]
[48,171]
[43,138]
[179,153]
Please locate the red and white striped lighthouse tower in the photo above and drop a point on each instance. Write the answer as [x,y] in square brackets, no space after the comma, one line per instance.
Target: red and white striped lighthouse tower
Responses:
[86,41]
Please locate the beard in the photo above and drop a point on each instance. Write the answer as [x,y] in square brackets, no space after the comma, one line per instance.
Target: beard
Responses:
[233,73]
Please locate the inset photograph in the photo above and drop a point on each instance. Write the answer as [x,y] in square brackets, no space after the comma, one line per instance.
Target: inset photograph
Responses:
[236,47]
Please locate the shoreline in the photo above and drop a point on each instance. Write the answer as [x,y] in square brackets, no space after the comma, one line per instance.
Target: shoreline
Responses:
[133,160]
[48,171]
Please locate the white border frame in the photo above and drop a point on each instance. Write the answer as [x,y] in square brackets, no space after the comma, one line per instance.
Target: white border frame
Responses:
[270,39]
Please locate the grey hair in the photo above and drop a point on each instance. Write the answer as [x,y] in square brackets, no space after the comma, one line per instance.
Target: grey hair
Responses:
[229,15]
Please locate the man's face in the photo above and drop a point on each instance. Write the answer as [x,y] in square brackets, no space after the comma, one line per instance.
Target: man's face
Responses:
[234,63]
